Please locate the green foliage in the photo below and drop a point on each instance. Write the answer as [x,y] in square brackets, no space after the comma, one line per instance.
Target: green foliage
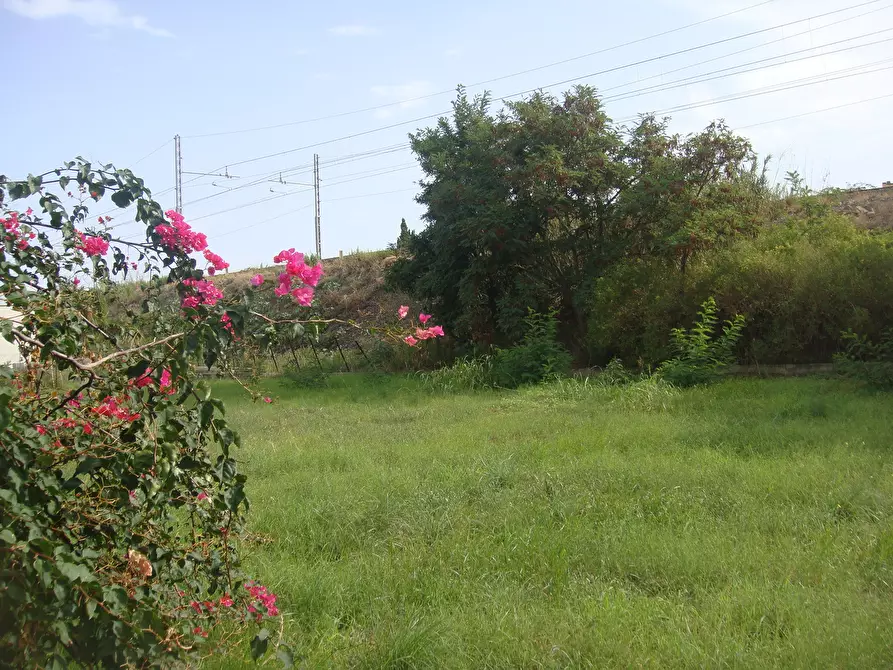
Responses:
[525,207]
[867,361]
[465,374]
[121,500]
[801,282]
[539,356]
[701,356]
[307,377]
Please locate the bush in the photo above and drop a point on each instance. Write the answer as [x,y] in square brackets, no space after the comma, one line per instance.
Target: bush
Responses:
[538,357]
[867,361]
[801,282]
[700,356]
[311,377]
[466,374]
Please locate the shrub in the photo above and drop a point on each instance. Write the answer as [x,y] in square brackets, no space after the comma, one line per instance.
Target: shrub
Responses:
[700,356]
[801,282]
[308,377]
[465,374]
[539,356]
[867,361]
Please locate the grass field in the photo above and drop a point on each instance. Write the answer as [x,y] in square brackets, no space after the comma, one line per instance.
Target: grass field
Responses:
[746,525]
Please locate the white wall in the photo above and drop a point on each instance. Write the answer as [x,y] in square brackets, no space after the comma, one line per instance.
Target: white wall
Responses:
[9,353]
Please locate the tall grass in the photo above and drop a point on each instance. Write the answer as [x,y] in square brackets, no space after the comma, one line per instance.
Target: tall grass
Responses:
[574,524]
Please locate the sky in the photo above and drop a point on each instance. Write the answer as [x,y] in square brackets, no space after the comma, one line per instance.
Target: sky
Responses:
[252,87]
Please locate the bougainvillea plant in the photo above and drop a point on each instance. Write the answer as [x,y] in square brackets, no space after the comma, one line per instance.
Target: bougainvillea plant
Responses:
[121,500]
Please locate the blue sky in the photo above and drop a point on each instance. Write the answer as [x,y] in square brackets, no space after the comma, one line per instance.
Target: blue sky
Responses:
[114,80]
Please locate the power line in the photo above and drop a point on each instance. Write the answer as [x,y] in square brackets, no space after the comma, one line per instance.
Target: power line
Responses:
[815,111]
[593,74]
[808,81]
[487,81]
[728,71]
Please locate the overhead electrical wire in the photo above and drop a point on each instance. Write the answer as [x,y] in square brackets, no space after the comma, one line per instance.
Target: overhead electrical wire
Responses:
[590,75]
[486,81]
[568,60]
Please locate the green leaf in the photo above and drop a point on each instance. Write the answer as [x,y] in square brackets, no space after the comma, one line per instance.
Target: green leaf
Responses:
[34,183]
[63,182]
[75,571]
[88,464]
[122,198]
[259,644]
[115,598]
[7,536]
[234,497]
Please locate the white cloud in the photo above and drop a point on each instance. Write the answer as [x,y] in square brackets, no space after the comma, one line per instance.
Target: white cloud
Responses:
[404,96]
[352,30]
[453,52]
[99,13]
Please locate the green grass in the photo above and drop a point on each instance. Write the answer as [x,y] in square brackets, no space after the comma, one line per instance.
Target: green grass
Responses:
[747,525]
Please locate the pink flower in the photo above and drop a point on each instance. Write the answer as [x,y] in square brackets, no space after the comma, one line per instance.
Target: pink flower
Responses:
[190,302]
[437,331]
[165,379]
[286,256]
[201,496]
[403,311]
[209,293]
[29,212]
[257,280]
[76,281]
[226,601]
[41,430]
[283,288]
[179,235]
[88,428]
[268,399]
[216,261]
[423,334]
[423,318]
[133,265]
[198,630]
[303,296]
[197,607]
[92,246]
[311,276]
[410,340]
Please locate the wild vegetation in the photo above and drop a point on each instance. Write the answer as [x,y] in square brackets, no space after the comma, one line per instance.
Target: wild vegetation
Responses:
[624,232]
[488,509]
[572,524]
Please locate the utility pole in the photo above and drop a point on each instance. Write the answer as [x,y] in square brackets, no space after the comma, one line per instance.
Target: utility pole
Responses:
[178,174]
[318,229]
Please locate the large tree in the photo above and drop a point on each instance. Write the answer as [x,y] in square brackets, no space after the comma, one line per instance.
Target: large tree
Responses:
[524,206]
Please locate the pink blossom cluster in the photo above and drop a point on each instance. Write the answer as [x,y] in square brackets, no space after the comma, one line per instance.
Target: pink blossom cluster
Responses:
[12,227]
[295,268]
[92,246]
[420,333]
[111,408]
[262,597]
[66,422]
[165,383]
[179,234]
[208,293]
[217,263]
[227,324]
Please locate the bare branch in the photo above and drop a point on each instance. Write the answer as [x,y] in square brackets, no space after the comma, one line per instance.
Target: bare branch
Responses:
[89,367]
